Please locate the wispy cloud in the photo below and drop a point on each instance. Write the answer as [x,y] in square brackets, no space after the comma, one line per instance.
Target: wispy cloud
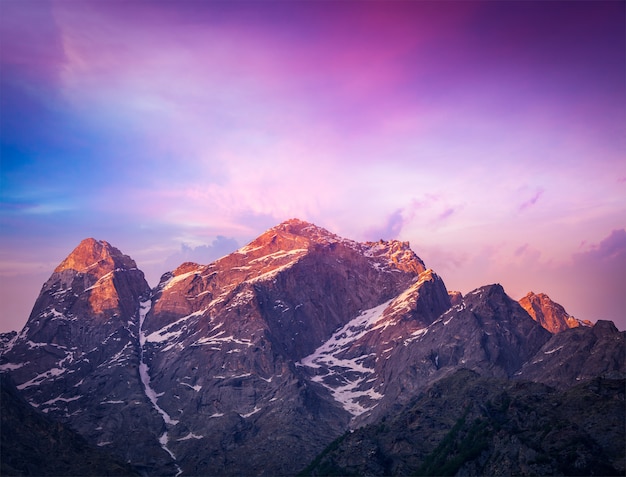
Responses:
[390,229]
[202,254]
[521,250]
[532,201]
[446,214]
[611,248]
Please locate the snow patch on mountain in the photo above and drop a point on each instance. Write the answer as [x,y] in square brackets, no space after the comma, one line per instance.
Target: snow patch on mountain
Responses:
[118,358]
[196,388]
[163,440]
[172,330]
[218,340]
[417,334]
[254,411]
[554,350]
[12,366]
[144,370]
[50,374]
[144,374]
[297,252]
[60,398]
[178,278]
[348,379]
[189,436]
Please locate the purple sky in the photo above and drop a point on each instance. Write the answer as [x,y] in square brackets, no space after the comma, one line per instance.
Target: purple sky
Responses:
[491,135]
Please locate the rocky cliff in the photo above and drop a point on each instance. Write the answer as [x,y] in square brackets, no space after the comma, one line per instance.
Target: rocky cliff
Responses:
[549,314]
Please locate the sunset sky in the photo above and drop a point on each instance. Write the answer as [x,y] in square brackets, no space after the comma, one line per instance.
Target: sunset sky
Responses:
[491,135]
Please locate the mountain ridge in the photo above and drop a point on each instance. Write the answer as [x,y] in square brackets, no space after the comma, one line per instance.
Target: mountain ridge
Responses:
[253,363]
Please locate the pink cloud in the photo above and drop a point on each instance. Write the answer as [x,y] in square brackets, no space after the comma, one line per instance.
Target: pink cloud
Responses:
[390,229]
[596,279]
[446,214]
[521,250]
[612,248]
[532,201]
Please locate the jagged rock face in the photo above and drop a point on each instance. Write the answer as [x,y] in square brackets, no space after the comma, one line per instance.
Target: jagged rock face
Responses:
[221,341]
[507,337]
[549,314]
[579,354]
[302,280]
[90,300]
[456,297]
[89,295]
[6,339]
[77,357]
[487,332]
[354,362]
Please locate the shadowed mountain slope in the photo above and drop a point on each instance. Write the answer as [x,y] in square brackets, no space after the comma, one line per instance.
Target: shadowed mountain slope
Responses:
[34,444]
[466,424]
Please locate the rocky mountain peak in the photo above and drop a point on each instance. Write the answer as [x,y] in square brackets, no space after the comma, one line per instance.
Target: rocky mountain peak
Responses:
[605,326]
[294,238]
[549,314]
[394,254]
[95,257]
[303,228]
[293,234]
[89,295]
[79,348]
[487,294]
[92,274]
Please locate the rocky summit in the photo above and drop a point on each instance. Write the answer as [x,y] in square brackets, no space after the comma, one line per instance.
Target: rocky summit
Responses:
[549,314]
[254,364]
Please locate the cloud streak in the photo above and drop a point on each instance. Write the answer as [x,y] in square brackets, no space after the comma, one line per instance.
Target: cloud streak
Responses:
[532,201]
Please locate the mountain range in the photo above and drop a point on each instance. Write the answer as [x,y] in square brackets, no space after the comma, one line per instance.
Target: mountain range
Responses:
[307,352]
